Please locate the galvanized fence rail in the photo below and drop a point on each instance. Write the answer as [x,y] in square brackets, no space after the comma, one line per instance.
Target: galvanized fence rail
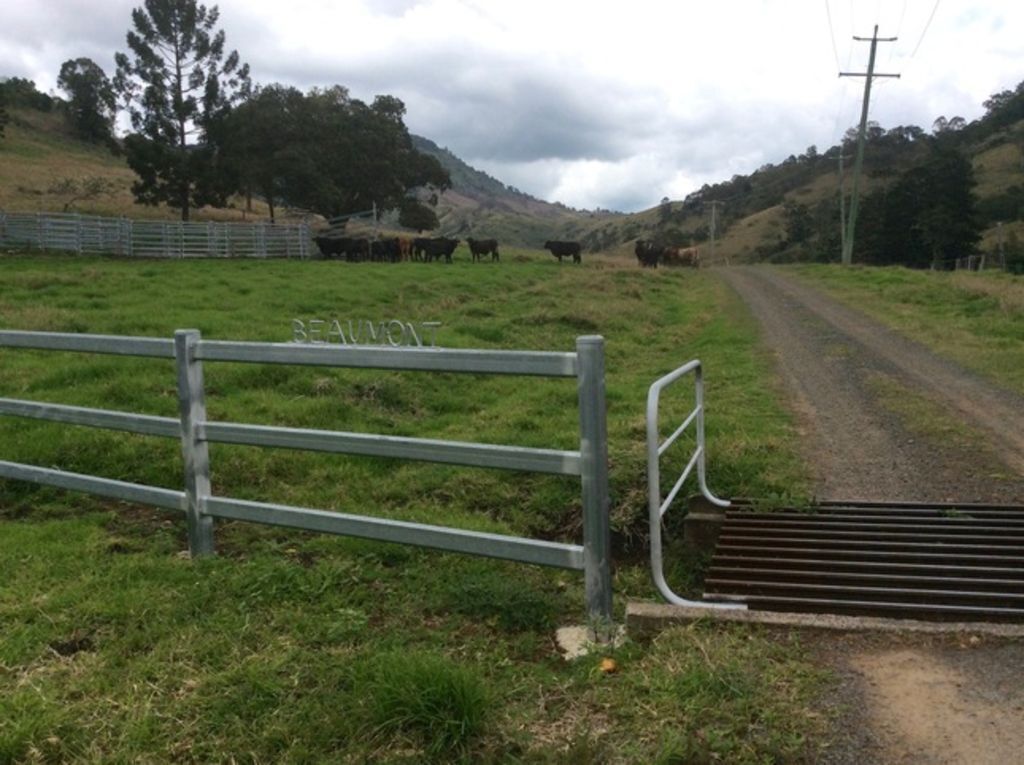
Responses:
[201,507]
[657,506]
[90,234]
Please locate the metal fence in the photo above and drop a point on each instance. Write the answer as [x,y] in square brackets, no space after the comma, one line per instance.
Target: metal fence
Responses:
[655,449]
[90,234]
[200,506]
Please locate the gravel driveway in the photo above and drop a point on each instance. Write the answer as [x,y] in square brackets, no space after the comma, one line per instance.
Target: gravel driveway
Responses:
[832,360]
[898,699]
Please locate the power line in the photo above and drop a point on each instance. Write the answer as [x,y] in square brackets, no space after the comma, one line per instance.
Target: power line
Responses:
[925,30]
[832,34]
[899,28]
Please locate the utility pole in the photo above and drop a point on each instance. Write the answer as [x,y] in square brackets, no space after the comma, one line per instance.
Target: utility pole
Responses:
[842,202]
[714,227]
[861,133]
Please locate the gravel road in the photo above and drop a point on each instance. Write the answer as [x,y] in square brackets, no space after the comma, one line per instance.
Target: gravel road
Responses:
[831,358]
[898,699]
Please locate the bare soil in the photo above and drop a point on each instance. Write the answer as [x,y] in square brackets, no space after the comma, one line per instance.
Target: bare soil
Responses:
[899,699]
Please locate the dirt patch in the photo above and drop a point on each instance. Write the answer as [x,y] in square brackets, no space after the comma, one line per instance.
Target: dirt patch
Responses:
[866,399]
[944,702]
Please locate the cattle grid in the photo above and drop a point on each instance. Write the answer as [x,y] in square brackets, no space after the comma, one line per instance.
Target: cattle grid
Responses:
[91,234]
[200,506]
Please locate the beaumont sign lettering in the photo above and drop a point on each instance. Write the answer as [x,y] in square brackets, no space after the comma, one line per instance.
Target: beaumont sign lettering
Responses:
[394,333]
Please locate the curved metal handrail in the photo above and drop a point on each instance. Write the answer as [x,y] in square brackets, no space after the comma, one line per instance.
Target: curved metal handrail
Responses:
[655,448]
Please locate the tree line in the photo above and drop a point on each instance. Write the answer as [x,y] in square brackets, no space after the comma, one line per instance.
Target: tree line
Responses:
[201,132]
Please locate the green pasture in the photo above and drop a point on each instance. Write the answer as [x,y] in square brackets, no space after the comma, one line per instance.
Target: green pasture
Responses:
[292,647]
[976,319]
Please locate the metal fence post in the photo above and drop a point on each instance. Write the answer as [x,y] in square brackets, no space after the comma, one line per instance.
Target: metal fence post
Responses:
[195,453]
[594,479]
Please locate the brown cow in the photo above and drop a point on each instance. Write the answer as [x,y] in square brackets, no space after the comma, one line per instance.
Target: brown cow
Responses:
[681,256]
[404,248]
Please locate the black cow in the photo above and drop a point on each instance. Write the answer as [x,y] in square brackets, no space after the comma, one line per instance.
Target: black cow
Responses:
[564,249]
[480,247]
[385,250]
[647,253]
[434,249]
[330,246]
[357,250]
[419,248]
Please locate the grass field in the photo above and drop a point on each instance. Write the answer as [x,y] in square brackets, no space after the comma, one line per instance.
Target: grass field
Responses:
[976,319]
[291,647]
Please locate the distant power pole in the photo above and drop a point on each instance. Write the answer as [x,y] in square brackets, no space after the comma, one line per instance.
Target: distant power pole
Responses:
[714,227]
[858,163]
[842,203]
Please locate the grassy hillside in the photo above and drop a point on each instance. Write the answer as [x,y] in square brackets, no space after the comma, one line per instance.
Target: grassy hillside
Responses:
[38,153]
[291,647]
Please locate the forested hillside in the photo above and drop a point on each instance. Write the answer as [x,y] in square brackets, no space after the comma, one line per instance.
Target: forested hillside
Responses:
[926,197]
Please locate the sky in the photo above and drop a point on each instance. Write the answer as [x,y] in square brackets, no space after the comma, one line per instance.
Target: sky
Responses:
[593,104]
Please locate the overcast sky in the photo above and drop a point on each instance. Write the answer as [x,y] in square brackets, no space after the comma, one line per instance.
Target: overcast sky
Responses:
[594,104]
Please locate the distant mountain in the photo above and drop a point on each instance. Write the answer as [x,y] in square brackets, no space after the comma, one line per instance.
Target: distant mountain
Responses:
[481,206]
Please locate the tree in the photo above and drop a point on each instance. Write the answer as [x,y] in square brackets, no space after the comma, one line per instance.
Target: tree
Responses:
[927,218]
[178,85]
[948,220]
[3,111]
[260,140]
[952,125]
[415,215]
[664,211]
[91,99]
[20,92]
[329,153]
[797,221]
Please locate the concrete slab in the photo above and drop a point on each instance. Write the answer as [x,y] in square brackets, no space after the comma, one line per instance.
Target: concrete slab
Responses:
[646,619]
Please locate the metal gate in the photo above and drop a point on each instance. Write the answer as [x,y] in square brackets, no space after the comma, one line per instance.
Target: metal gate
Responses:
[200,506]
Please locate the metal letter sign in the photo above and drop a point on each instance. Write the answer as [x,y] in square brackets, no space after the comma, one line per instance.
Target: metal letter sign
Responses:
[394,333]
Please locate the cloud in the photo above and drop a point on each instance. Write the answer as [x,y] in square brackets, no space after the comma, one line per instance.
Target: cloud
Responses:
[589,104]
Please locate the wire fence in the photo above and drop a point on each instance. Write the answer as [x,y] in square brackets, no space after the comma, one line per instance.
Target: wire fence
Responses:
[91,234]
[983,262]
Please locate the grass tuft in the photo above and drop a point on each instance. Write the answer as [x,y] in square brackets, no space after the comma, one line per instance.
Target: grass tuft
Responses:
[442,704]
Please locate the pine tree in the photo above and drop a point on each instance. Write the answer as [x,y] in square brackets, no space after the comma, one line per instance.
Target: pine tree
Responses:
[177,84]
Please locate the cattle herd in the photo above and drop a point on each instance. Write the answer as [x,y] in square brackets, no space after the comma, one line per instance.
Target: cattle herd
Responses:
[428,249]
[650,254]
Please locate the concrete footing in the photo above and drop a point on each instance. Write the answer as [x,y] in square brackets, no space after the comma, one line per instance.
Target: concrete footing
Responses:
[644,620]
[702,524]
[579,640]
